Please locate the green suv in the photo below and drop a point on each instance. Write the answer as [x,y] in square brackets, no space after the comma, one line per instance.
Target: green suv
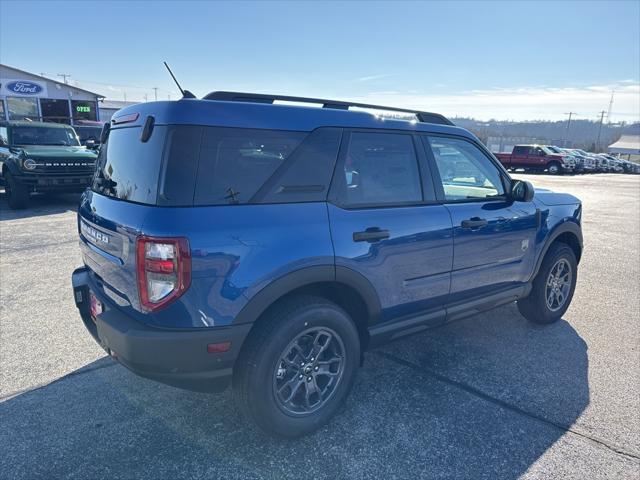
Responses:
[42,157]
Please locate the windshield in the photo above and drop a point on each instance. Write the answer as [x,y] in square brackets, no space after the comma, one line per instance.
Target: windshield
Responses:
[44,136]
[546,150]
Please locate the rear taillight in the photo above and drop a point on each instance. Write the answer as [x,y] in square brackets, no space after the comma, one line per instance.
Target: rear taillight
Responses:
[164,270]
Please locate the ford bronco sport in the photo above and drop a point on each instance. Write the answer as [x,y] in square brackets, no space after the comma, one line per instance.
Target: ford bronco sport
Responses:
[236,241]
[42,157]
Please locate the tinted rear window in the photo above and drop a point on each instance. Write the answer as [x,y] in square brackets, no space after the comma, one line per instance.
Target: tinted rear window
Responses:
[129,169]
[235,162]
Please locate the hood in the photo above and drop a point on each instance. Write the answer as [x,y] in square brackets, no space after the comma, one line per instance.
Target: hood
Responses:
[54,151]
[550,198]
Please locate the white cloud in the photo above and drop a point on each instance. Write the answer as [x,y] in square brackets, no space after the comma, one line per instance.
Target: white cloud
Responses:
[371,78]
[523,103]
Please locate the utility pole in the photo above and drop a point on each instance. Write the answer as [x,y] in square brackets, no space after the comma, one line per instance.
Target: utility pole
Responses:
[155,93]
[64,77]
[566,133]
[600,129]
[145,97]
[125,96]
[610,107]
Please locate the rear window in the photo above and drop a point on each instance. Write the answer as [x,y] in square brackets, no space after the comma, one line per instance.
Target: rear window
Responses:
[129,169]
[184,165]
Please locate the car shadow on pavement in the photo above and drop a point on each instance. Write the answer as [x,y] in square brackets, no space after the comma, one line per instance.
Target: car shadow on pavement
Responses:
[480,398]
[40,205]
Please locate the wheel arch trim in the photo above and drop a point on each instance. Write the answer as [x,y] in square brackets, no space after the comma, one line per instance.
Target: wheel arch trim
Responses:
[275,290]
[566,226]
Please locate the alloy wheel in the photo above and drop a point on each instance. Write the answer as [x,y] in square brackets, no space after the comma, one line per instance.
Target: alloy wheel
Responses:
[308,371]
[558,285]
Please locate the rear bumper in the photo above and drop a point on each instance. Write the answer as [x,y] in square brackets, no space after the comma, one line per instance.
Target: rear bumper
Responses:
[58,183]
[175,357]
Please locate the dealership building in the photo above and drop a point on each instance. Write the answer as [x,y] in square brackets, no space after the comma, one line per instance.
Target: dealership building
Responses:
[25,95]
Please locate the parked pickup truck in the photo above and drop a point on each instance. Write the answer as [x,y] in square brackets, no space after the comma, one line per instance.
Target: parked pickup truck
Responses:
[536,158]
[42,157]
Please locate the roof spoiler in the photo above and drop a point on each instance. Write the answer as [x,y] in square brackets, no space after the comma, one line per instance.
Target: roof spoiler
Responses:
[426,117]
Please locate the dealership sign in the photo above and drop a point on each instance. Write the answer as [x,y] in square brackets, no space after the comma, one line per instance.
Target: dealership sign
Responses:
[25,88]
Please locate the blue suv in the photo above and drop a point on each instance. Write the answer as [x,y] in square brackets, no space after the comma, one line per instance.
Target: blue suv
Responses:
[240,240]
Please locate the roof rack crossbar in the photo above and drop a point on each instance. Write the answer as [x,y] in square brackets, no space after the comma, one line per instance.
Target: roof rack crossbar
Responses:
[426,117]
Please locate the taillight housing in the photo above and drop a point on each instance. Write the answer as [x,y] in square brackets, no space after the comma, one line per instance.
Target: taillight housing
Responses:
[164,270]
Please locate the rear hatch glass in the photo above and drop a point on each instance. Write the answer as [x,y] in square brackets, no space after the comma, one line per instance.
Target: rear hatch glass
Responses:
[128,169]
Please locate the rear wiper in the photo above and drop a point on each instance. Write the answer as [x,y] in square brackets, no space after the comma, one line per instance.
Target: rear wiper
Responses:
[105,183]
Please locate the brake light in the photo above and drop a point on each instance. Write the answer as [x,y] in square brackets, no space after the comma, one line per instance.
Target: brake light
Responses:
[164,270]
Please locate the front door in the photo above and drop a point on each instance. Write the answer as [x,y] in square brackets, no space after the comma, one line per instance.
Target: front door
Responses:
[493,236]
[386,225]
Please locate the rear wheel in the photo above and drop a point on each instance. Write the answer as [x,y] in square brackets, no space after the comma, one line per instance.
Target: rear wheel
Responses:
[297,367]
[17,193]
[553,286]
[554,168]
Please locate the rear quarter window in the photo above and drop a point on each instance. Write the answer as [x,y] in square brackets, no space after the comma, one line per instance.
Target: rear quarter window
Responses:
[235,163]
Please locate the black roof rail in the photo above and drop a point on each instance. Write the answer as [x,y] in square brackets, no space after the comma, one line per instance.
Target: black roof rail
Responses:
[426,117]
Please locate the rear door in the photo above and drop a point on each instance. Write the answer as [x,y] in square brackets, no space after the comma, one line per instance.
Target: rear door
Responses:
[521,157]
[386,225]
[493,236]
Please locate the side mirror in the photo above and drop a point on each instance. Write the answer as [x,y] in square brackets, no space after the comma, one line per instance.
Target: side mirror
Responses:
[521,191]
[91,144]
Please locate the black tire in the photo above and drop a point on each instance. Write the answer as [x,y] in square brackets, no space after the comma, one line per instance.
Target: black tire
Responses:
[260,363]
[535,307]
[16,192]
[554,168]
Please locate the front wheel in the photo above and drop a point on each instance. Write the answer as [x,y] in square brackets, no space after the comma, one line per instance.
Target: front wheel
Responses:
[554,168]
[17,193]
[553,286]
[297,367]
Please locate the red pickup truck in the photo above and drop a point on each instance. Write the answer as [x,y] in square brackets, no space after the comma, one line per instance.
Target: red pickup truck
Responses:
[536,158]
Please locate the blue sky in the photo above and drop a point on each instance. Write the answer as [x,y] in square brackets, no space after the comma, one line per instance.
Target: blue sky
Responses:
[507,60]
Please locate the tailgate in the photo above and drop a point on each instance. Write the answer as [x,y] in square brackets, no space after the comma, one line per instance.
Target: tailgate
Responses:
[108,229]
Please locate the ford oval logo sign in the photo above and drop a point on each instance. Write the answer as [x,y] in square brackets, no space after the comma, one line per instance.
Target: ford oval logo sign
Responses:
[24,88]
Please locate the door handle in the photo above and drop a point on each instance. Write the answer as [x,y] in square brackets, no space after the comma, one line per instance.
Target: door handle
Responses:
[474,222]
[370,235]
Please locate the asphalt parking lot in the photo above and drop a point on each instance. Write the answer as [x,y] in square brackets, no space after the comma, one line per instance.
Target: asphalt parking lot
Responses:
[491,396]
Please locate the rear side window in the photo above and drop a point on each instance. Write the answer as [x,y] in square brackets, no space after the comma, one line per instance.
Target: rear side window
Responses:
[234,163]
[129,169]
[379,169]
[306,175]
[521,150]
